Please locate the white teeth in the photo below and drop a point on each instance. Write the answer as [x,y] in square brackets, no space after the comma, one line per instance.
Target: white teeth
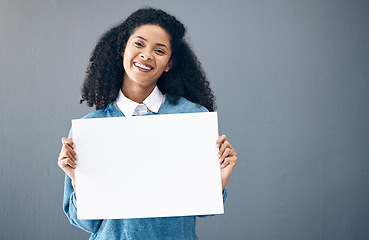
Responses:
[142,66]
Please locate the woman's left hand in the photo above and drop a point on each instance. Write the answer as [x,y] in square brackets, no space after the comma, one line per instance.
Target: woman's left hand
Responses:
[227,158]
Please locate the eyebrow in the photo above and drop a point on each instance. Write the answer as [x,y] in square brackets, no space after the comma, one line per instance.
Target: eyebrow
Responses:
[159,44]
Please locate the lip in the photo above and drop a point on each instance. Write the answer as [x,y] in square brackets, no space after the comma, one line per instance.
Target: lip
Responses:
[139,68]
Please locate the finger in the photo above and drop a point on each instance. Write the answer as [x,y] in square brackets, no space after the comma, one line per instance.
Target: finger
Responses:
[229,161]
[63,153]
[220,140]
[71,152]
[227,144]
[227,153]
[222,148]
[232,160]
[66,154]
[67,162]
[67,168]
[69,155]
[68,141]
[225,163]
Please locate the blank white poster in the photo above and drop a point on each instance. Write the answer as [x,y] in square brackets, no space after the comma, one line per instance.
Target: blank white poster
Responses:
[147,166]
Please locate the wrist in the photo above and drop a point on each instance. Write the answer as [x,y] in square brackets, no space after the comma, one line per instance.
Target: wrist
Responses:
[73,185]
[224,184]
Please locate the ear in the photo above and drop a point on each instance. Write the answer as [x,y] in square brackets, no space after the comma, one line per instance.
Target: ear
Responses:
[169,66]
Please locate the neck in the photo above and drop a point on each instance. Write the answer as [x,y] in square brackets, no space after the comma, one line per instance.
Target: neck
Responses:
[135,92]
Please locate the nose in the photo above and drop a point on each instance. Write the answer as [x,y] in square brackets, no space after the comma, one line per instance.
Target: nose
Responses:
[145,55]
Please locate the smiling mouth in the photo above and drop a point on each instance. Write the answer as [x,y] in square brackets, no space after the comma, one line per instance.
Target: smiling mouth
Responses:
[142,66]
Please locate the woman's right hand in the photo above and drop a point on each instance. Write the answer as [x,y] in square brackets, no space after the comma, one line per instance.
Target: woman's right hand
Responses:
[67,159]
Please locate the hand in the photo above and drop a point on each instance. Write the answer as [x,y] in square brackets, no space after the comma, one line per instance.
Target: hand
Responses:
[227,158]
[67,159]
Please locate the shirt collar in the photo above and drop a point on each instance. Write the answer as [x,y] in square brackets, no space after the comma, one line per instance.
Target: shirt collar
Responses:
[153,102]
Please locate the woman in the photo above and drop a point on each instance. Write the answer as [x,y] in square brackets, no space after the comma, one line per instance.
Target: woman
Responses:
[142,67]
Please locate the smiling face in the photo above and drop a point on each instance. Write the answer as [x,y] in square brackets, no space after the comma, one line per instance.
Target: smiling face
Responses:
[146,56]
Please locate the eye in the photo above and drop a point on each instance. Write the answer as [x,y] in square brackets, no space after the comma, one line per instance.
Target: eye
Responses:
[138,44]
[160,52]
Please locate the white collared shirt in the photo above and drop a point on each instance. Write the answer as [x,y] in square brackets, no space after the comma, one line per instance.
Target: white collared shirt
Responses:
[131,108]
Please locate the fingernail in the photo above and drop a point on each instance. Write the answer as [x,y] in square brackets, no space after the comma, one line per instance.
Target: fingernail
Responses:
[76,157]
[218,155]
[74,146]
[220,160]
[217,145]
[222,166]
[75,162]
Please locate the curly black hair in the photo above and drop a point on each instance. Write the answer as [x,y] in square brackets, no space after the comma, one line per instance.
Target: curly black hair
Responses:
[104,75]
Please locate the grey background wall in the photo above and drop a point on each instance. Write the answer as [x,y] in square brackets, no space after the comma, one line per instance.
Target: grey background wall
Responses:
[292,83]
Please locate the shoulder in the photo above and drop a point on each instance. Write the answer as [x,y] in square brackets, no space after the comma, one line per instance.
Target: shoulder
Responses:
[109,111]
[95,114]
[183,106]
[189,106]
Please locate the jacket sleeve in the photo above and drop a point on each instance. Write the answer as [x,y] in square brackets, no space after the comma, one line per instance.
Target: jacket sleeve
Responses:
[70,209]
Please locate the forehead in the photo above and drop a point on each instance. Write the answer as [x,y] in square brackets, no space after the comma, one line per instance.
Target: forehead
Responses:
[152,33]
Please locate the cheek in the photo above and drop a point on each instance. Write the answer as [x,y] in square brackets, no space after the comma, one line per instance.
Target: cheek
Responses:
[127,58]
[163,63]
[125,62]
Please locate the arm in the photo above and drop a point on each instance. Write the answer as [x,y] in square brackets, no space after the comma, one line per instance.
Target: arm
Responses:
[67,161]
[228,159]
